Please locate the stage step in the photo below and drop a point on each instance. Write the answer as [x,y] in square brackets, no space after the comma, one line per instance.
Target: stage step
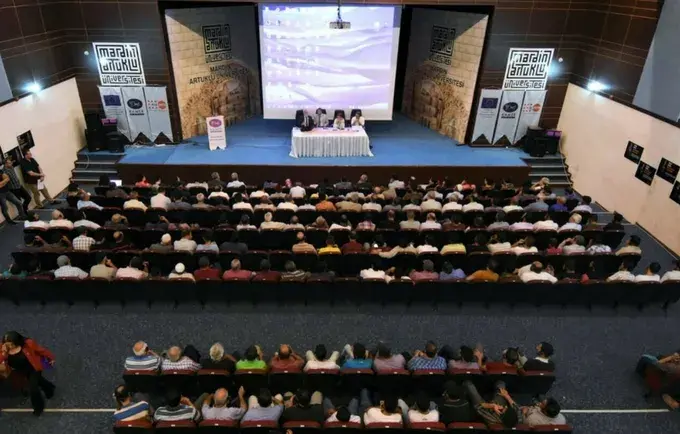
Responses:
[91,165]
[550,166]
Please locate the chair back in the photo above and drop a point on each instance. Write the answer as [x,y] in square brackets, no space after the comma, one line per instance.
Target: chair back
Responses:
[141,426]
[252,380]
[176,427]
[218,426]
[209,380]
[324,380]
[144,381]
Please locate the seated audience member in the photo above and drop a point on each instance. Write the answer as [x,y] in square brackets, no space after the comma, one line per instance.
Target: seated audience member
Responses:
[286,358]
[410,222]
[343,225]
[288,204]
[541,184]
[83,243]
[538,206]
[427,360]
[472,204]
[673,274]
[535,272]
[217,191]
[235,183]
[186,243]
[128,409]
[374,272]
[176,408]
[137,269]
[319,359]
[252,359]
[500,410]
[175,360]
[66,270]
[219,359]
[427,246]
[350,204]
[319,223]
[616,224]
[452,205]
[297,191]
[216,406]
[352,246]
[499,243]
[403,247]
[330,248]
[134,202]
[574,223]
[366,224]
[395,182]
[632,246]
[266,273]
[430,203]
[259,193]
[489,274]
[341,414]
[356,357]
[164,246]
[244,224]
[546,224]
[390,222]
[58,221]
[179,204]
[546,412]
[413,206]
[651,273]
[597,245]
[292,274]
[541,362]
[569,270]
[423,410]
[33,221]
[478,244]
[155,222]
[371,206]
[430,223]
[469,359]
[304,406]
[524,246]
[234,245]
[208,245]
[449,273]
[302,246]
[142,182]
[264,407]
[500,223]
[270,224]
[455,406]
[265,205]
[428,272]
[513,207]
[573,245]
[477,224]
[120,242]
[388,411]
[86,202]
[144,359]
[585,205]
[553,247]
[545,194]
[115,191]
[522,225]
[385,361]
[324,204]
[179,272]
[560,205]
[235,272]
[200,202]
[306,206]
[592,224]
[104,269]
[240,204]
[624,274]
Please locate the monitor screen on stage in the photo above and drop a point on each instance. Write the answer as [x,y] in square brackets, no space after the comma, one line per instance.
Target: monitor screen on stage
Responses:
[306,64]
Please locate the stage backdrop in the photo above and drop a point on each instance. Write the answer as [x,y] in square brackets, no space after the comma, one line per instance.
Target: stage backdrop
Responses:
[444,53]
[214,62]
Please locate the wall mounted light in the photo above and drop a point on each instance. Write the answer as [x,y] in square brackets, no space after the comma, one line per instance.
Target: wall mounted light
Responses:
[33,87]
[596,86]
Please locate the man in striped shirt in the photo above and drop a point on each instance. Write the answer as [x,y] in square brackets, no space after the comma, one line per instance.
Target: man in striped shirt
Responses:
[143,360]
[126,407]
[428,360]
[178,408]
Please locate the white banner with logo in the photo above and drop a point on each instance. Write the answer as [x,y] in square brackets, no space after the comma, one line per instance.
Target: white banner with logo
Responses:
[508,117]
[138,119]
[159,115]
[119,63]
[217,136]
[531,112]
[487,112]
[112,100]
[528,68]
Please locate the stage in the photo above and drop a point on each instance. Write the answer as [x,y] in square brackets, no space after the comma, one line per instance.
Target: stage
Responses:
[258,150]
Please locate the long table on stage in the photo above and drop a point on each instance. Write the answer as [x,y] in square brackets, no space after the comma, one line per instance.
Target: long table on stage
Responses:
[328,142]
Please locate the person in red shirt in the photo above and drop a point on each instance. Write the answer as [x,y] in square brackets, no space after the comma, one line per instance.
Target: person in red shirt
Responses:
[25,357]
[287,359]
[428,272]
[266,273]
[206,270]
[352,246]
[236,272]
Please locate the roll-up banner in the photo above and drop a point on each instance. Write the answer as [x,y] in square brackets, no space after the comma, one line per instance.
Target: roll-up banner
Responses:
[487,112]
[508,117]
[138,119]
[159,116]
[217,136]
[112,100]
[531,112]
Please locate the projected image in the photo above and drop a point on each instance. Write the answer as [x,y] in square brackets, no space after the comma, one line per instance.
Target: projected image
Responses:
[305,64]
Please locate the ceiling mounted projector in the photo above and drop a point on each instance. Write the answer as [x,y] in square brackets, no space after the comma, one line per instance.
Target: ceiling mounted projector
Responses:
[339,24]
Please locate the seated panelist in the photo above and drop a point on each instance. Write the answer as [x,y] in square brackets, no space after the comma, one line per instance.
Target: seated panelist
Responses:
[307,122]
[339,122]
[358,120]
[320,118]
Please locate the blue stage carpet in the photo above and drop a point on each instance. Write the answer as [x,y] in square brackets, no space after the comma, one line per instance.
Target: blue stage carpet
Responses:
[257,141]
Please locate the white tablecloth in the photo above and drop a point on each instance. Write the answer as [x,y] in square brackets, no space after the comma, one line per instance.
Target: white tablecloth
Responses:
[326,142]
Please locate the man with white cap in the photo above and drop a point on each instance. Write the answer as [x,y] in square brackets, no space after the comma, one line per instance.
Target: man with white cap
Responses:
[175,360]
[180,273]
[144,358]
[214,406]
[67,270]
[164,246]
[574,223]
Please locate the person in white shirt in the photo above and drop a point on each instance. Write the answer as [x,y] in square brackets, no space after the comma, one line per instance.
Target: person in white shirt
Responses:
[160,200]
[320,118]
[372,273]
[358,120]
[574,223]
[306,206]
[257,194]
[239,203]
[423,410]
[176,360]
[499,243]
[452,204]
[180,273]
[513,207]
[371,206]
[339,122]
[186,243]
[632,246]
[196,184]
[430,222]
[67,270]
[410,222]
[651,273]
[523,225]
[270,224]
[534,272]
[427,246]
[388,411]
[58,221]
[673,274]
[573,245]
[136,270]
[524,246]
[86,202]
[343,225]
[623,274]
[585,205]
[33,221]
[287,204]
[472,205]
[341,414]
[86,223]
[216,192]
[395,182]
[457,194]
[319,359]
[430,203]
[235,183]
[265,204]
[413,206]
[134,202]
[545,225]
[298,191]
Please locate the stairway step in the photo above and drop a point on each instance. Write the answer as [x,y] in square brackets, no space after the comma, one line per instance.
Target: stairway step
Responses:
[95,162]
[549,174]
[95,171]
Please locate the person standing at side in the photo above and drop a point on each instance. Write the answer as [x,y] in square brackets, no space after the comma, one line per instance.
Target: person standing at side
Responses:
[35,178]
[15,184]
[7,195]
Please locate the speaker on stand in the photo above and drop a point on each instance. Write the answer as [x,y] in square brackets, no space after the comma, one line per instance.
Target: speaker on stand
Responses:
[94,132]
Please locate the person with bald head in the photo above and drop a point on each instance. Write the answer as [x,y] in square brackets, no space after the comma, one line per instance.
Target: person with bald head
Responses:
[175,360]
[58,221]
[287,359]
[536,272]
[216,406]
[144,358]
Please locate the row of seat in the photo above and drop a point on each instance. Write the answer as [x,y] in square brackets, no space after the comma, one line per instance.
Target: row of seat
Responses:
[350,291]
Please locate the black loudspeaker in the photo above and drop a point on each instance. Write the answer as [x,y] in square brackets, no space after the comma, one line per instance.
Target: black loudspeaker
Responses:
[93,121]
[95,140]
[116,142]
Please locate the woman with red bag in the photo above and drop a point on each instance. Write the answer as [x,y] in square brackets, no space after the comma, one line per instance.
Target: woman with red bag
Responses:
[25,357]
